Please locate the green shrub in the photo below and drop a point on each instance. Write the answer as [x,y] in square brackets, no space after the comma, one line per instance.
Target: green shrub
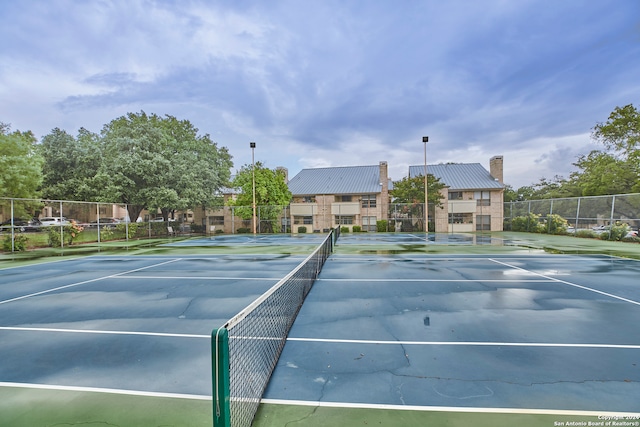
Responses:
[382,226]
[132,229]
[616,232]
[555,224]
[302,229]
[357,229]
[530,223]
[106,233]
[586,234]
[69,233]
[244,230]
[19,243]
[54,237]
[344,229]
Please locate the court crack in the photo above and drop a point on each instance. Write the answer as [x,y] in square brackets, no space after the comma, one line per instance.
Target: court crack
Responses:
[315,408]
[183,314]
[303,419]
[523,384]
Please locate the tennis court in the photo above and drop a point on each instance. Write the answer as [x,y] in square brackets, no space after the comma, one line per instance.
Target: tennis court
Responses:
[80,336]
[502,334]
[385,337]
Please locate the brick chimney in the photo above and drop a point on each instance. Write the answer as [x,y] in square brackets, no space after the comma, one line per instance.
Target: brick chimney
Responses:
[285,172]
[496,168]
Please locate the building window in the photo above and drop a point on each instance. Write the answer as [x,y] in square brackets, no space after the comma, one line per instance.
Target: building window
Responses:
[483,198]
[216,220]
[344,219]
[369,201]
[455,195]
[308,199]
[369,223]
[346,198]
[483,222]
[303,220]
[460,218]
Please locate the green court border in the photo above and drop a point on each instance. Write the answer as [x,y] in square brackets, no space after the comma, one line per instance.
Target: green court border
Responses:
[278,415]
[28,407]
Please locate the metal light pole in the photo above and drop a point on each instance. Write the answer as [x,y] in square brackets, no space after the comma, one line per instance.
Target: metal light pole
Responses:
[425,139]
[253,171]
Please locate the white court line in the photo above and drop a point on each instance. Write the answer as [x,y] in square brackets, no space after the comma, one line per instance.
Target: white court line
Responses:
[437,280]
[402,258]
[94,331]
[419,237]
[198,278]
[469,343]
[586,288]
[106,390]
[523,411]
[86,281]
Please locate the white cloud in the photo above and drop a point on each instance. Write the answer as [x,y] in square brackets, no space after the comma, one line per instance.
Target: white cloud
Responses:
[331,83]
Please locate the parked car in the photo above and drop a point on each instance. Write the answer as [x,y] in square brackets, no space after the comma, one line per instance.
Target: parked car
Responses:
[105,222]
[21,224]
[53,220]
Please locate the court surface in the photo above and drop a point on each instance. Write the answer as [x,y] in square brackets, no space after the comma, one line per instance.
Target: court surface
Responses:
[521,338]
[120,329]
[537,336]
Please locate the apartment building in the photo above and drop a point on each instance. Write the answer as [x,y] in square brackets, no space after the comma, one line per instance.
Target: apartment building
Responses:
[473,196]
[324,198]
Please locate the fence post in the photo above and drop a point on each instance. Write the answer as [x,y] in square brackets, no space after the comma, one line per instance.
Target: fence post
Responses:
[13,230]
[61,228]
[577,215]
[613,207]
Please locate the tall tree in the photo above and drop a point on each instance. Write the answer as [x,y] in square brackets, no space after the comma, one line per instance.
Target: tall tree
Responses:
[271,190]
[558,187]
[410,193]
[20,167]
[603,173]
[411,190]
[155,162]
[70,165]
[614,170]
[621,132]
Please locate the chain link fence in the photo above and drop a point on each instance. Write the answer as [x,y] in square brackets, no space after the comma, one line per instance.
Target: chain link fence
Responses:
[593,213]
[34,223]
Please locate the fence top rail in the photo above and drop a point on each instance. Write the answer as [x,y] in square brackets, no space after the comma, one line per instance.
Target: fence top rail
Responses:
[60,201]
[575,198]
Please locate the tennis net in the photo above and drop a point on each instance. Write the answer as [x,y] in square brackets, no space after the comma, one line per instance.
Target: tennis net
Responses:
[245,350]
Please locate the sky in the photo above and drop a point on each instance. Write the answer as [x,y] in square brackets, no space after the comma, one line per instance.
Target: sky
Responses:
[333,82]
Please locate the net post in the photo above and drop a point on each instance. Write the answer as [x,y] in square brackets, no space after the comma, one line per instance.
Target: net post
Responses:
[220,372]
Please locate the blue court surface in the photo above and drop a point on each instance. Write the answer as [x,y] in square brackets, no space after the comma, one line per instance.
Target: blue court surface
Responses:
[525,333]
[529,333]
[125,324]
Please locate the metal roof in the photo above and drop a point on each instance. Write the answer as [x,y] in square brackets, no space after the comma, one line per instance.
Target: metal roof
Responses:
[460,176]
[337,180]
